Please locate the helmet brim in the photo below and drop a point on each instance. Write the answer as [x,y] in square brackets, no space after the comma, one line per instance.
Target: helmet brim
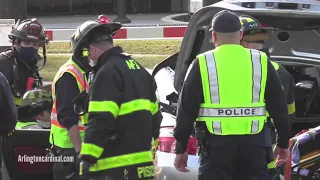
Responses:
[255,30]
[110,28]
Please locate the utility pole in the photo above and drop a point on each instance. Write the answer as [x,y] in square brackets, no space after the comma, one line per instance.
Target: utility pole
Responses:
[122,12]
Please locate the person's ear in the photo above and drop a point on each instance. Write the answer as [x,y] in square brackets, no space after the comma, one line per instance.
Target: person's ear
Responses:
[241,34]
[92,50]
[214,37]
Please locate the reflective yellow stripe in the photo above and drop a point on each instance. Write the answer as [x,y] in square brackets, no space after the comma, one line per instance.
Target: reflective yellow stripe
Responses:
[20,125]
[91,149]
[138,105]
[17,101]
[275,65]
[272,165]
[104,106]
[155,143]
[291,108]
[125,108]
[122,161]
[249,20]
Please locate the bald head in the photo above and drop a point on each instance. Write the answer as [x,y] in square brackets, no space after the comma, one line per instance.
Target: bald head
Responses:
[226,38]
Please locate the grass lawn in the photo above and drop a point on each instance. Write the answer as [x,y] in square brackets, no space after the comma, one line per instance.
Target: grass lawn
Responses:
[55,61]
[161,47]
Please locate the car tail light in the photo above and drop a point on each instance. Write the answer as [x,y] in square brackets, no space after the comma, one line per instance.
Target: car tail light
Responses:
[167,142]
[264,25]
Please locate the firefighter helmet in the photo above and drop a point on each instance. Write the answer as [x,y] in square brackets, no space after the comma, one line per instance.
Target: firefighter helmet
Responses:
[87,32]
[29,30]
[36,96]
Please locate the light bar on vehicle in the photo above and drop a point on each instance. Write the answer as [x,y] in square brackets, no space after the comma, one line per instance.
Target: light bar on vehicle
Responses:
[103,19]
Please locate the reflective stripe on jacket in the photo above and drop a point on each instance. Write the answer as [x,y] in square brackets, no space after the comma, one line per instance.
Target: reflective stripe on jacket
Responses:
[20,125]
[234,89]
[59,132]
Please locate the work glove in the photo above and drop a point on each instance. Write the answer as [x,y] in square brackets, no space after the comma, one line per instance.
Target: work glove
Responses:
[84,170]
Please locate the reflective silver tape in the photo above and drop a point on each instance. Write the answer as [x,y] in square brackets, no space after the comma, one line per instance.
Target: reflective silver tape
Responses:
[54,117]
[213,78]
[256,75]
[255,126]
[216,126]
[75,70]
[229,112]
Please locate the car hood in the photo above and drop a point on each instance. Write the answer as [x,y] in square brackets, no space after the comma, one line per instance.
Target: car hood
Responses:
[297,37]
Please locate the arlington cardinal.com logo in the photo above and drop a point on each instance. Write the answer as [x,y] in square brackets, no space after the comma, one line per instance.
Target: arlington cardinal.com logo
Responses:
[44,159]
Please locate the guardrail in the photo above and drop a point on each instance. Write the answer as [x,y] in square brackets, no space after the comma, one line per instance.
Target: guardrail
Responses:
[132,32]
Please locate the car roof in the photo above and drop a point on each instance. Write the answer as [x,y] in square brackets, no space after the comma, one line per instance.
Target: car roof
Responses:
[298,34]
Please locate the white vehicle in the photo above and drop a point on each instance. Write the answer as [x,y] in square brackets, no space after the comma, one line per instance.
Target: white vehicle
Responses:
[295,46]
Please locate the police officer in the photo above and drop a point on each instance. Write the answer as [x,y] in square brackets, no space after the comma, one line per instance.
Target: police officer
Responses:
[123,110]
[67,124]
[8,113]
[19,64]
[36,102]
[227,94]
[254,37]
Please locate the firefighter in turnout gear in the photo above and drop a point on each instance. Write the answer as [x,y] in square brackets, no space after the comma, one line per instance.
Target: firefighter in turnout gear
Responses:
[67,130]
[227,95]
[124,115]
[254,36]
[19,63]
[36,102]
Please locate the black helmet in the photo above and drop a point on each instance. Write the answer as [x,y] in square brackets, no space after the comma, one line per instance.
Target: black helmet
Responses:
[252,26]
[30,30]
[90,30]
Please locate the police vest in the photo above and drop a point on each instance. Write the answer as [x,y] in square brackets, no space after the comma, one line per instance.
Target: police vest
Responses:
[21,125]
[234,81]
[58,132]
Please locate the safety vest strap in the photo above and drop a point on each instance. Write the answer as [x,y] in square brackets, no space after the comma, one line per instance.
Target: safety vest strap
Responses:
[125,108]
[122,161]
[76,71]
[245,116]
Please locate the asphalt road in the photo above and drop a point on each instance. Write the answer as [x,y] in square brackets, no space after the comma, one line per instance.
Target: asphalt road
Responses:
[72,22]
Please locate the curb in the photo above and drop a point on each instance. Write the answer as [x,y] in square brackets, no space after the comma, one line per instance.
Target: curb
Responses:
[147,31]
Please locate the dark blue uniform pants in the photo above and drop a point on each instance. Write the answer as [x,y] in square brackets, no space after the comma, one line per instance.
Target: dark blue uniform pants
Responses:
[235,162]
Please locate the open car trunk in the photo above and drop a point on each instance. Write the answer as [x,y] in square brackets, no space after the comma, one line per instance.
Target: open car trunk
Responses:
[294,46]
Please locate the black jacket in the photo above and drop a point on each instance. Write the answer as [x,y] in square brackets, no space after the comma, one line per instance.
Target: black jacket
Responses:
[120,82]
[18,72]
[288,84]
[192,95]
[8,110]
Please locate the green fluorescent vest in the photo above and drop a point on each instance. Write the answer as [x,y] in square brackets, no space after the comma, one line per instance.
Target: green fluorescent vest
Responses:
[234,81]
[59,135]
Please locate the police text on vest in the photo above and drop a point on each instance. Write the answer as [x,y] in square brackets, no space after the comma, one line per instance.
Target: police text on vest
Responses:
[237,112]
